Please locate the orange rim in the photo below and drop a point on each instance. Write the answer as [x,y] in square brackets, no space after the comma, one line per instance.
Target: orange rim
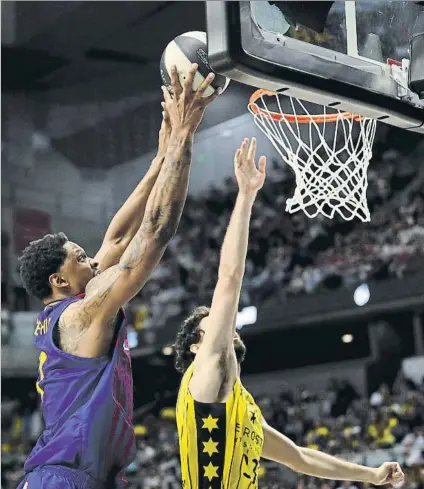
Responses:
[301,119]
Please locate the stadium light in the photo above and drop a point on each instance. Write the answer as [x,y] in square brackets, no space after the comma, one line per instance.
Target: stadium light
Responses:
[167,351]
[361,295]
[347,338]
[248,315]
[132,337]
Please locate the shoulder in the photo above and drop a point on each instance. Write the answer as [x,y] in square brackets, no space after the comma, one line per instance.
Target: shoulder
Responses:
[101,284]
[83,312]
[72,325]
[76,315]
[245,393]
[81,334]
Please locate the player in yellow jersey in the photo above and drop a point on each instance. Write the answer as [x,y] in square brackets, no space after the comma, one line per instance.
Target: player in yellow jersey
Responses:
[221,430]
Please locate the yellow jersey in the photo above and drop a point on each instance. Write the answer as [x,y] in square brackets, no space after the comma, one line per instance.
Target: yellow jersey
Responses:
[220,443]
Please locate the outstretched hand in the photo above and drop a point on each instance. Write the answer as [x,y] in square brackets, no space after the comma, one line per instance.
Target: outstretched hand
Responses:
[250,178]
[186,107]
[388,473]
[164,132]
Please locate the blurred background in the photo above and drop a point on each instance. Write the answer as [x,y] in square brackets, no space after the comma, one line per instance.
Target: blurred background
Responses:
[331,311]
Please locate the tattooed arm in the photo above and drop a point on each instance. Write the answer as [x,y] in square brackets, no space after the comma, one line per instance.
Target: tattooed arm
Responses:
[109,291]
[129,217]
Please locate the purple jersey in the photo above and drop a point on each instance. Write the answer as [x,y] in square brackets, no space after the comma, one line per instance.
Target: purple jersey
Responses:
[87,404]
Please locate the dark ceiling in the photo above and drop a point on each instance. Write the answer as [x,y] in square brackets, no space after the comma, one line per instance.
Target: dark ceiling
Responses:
[59,44]
[85,54]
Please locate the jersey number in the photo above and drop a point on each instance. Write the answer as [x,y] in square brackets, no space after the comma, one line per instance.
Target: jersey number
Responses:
[251,464]
[41,361]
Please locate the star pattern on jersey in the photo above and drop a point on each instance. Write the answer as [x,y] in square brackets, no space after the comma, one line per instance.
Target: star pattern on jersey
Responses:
[211,426]
[253,417]
[210,423]
[210,447]
[210,471]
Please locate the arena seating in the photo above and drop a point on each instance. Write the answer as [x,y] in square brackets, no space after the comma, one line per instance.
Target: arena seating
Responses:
[387,426]
[291,254]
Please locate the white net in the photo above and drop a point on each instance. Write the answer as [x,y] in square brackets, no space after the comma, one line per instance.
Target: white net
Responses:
[329,155]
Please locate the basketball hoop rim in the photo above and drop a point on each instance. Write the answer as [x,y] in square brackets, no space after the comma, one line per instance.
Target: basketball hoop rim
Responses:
[293,118]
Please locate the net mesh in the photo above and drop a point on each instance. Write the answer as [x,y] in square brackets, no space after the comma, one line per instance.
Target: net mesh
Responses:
[329,155]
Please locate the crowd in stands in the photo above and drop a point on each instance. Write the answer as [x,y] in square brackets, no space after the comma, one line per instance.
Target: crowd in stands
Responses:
[291,254]
[387,426]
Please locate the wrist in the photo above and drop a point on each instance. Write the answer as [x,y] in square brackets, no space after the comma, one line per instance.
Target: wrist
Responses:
[247,195]
[370,475]
[158,159]
[181,134]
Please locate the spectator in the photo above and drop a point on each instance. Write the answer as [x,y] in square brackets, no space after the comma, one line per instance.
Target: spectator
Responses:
[381,396]
[380,430]
[290,254]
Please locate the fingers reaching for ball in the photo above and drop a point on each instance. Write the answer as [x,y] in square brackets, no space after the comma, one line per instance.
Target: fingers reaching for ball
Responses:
[199,92]
[175,82]
[165,131]
[212,97]
[166,122]
[188,84]
[182,78]
[186,106]
[205,84]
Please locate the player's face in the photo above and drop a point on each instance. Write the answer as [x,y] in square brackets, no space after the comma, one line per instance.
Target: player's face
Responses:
[78,268]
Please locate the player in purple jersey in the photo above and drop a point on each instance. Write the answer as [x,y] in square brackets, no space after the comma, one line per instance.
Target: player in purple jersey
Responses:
[85,379]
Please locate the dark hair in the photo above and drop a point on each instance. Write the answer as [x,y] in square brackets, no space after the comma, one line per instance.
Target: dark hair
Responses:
[187,336]
[39,260]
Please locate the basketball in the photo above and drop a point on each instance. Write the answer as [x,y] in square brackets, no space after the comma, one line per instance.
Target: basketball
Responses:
[184,50]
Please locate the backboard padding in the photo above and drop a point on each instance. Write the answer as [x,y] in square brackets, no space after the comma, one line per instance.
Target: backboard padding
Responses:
[242,51]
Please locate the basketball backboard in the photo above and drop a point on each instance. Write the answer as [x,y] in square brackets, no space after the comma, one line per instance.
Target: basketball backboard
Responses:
[345,66]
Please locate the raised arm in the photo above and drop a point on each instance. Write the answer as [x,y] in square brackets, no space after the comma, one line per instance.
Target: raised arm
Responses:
[110,290]
[218,337]
[279,448]
[129,217]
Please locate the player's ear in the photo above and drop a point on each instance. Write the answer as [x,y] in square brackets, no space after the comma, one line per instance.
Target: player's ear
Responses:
[194,348]
[57,280]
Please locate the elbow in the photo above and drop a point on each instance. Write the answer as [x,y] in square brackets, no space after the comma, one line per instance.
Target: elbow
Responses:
[164,234]
[116,240]
[294,458]
[162,223]
[300,462]
[281,449]
[161,233]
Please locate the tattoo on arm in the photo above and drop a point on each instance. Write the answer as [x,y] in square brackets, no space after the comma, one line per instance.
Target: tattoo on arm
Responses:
[164,207]
[160,222]
[74,324]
